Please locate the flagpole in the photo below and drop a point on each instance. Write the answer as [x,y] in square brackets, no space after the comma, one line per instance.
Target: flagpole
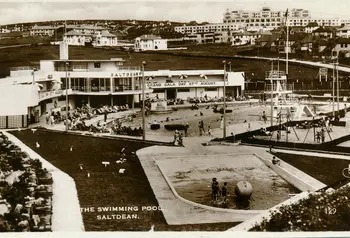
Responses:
[287,43]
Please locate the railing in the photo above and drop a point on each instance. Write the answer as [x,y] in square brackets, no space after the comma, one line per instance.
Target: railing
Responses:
[281,87]
[22,68]
[132,68]
[85,69]
[274,74]
[102,89]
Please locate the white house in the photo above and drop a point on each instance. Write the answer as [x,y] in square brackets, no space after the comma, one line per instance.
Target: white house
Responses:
[150,42]
[309,28]
[246,37]
[74,38]
[105,39]
[344,32]
[342,48]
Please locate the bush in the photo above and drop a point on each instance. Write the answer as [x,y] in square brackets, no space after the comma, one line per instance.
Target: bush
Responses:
[320,212]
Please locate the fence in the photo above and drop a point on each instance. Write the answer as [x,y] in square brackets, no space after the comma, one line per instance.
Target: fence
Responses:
[8,122]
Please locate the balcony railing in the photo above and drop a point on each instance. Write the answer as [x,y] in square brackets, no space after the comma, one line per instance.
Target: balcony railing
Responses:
[86,69]
[275,74]
[22,68]
[129,68]
[103,89]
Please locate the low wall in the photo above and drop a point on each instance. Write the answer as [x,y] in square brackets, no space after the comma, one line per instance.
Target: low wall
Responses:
[297,182]
[247,225]
[66,215]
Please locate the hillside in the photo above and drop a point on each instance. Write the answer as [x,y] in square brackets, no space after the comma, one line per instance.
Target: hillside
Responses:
[254,69]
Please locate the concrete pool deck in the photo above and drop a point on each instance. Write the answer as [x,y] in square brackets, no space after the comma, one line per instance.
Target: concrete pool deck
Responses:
[179,211]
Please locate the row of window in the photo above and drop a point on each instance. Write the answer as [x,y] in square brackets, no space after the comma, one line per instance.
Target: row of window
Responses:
[183,90]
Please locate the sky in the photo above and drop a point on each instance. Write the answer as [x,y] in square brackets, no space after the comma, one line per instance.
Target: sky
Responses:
[183,11]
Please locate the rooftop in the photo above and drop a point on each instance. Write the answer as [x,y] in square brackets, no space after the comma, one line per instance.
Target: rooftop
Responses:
[97,60]
[343,41]
[44,27]
[87,27]
[149,37]
[312,24]
[74,33]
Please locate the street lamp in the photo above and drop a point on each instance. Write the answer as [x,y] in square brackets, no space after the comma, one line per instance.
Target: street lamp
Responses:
[333,88]
[224,119]
[143,102]
[337,65]
[66,65]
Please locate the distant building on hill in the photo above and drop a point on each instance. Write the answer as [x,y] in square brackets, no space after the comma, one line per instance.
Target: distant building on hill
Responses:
[95,35]
[74,38]
[43,30]
[105,39]
[150,42]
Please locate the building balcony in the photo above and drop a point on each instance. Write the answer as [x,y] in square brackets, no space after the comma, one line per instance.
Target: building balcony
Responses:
[87,69]
[103,89]
[22,68]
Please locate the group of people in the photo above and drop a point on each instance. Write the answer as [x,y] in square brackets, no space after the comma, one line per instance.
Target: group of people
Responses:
[111,109]
[53,118]
[176,101]
[207,99]
[178,138]
[202,130]
[119,129]
[321,136]
[216,192]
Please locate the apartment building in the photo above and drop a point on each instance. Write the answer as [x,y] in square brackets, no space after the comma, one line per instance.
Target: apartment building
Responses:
[263,18]
[43,30]
[219,27]
[266,18]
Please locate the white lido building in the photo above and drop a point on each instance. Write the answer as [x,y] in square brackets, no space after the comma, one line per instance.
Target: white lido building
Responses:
[29,91]
[184,84]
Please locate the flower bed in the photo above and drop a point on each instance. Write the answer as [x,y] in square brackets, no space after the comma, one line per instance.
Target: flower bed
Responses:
[319,212]
[25,191]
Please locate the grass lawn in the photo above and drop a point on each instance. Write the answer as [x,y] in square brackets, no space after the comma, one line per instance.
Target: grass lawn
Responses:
[106,187]
[328,171]
[255,69]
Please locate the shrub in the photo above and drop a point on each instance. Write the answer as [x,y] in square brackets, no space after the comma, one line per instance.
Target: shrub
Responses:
[320,212]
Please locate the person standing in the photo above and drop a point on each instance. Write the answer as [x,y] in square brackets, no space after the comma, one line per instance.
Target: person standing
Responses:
[323,136]
[224,192]
[47,118]
[264,117]
[209,131]
[105,116]
[222,123]
[214,189]
[186,129]
[202,126]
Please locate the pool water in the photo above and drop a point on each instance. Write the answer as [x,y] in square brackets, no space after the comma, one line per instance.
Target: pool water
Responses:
[191,178]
